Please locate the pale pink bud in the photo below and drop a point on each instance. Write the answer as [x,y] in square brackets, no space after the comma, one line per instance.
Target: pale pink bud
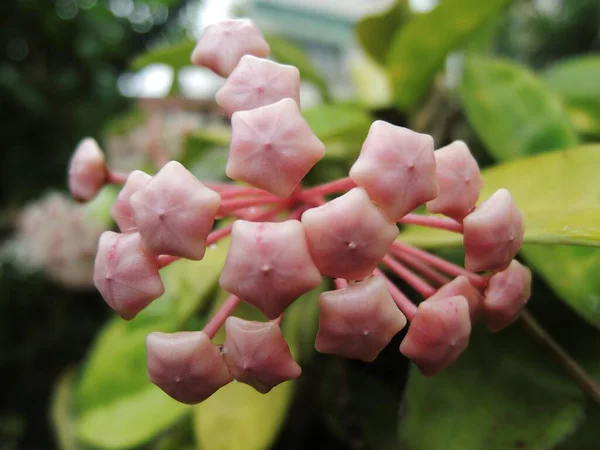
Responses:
[493,233]
[272,147]
[396,167]
[438,334]
[223,44]
[348,236]
[186,365]
[257,354]
[459,179]
[506,295]
[174,212]
[121,210]
[463,287]
[358,321]
[87,170]
[269,265]
[258,82]
[125,274]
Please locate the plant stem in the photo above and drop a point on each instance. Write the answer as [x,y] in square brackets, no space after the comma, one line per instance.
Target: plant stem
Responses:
[408,308]
[441,223]
[221,316]
[573,369]
[341,185]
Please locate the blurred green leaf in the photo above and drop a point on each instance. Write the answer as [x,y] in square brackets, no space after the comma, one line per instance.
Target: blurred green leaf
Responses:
[419,48]
[502,393]
[375,33]
[177,56]
[62,412]
[512,111]
[575,80]
[586,438]
[205,152]
[287,52]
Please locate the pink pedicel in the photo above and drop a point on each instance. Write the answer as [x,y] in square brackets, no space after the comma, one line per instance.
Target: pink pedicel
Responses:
[272,147]
[348,236]
[358,321]
[257,354]
[459,179]
[126,274]
[493,233]
[174,212]
[396,167]
[186,365]
[438,334]
[222,45]
[507,293]
[269,265]
[258,82]
[87,170]
[463,287]
[121,211]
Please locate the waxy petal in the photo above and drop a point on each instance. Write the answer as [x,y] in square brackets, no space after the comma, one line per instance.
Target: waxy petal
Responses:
[87,170]
[121,210]
[186,365]
[463,287]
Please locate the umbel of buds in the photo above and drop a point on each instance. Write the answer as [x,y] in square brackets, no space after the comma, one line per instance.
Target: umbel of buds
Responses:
[285,237]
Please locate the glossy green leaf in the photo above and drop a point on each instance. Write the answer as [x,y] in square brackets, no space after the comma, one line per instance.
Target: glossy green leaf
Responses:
[376,33]
[287,52]
[62,412]
[177,56]
[419,49]
[512,111]
[502,393]
[575,80]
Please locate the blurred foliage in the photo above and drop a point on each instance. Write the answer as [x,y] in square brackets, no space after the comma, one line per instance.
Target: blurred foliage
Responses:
[526,83]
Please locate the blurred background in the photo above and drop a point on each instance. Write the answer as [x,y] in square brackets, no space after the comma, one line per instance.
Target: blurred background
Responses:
[119,70]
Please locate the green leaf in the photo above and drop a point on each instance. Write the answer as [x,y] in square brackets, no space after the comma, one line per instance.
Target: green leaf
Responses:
[502,393]
[375,33]
[177,56]
[512,111]
[132,420]
[586,438]
[62,412]
[419,49]
[286,52]
[575,80]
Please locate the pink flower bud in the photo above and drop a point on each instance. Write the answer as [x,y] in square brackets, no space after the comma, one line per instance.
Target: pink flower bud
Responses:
[493,233]
[269,265]
[462,286]
[186,365]
[121,210]
[358,321]
[223,44]
[125,274]
[506,295]
[396,167]
[459,179]
[438,334]
[272,147]
[257,354]
[348,236]
[258,82]
[175,212]
[87,170]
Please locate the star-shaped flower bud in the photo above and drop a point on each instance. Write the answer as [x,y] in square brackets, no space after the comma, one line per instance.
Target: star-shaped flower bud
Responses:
[269,265]
[272,147]
[493,233]
[174,212]
[358,321]
[258,82]
[223,44]
[121,210]
[438,334]
[257,354]
[87,170]
[396,167]
[348,236]
[126,274]
[463,287]
[186,365]
[506,295]
[459,179]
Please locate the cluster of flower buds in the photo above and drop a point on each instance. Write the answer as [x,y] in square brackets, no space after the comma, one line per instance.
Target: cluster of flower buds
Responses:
[288,236]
